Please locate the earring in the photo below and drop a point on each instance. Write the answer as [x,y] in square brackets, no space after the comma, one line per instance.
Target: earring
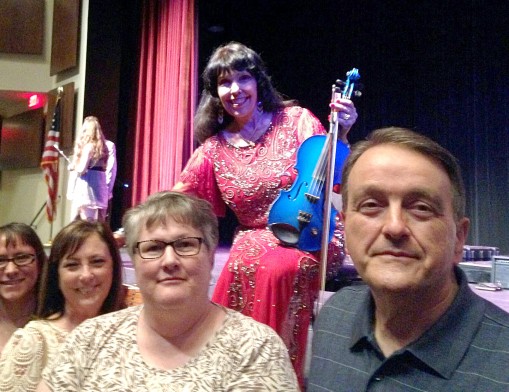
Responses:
[220,116]
[259,106]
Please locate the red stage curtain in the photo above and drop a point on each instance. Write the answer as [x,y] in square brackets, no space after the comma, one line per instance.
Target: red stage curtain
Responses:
[166,96]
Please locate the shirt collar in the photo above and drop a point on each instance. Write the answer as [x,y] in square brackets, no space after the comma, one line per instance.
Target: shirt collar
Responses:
[444,345]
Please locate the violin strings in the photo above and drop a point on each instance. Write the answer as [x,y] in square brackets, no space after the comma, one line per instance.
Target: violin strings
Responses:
[318,181]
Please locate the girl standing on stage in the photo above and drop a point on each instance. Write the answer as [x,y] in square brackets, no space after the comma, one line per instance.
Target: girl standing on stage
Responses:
[87,186]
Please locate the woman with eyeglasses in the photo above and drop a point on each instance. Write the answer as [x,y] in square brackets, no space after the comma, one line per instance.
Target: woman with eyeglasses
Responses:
[81,280]
[178,339]
[249,142]
[21,259]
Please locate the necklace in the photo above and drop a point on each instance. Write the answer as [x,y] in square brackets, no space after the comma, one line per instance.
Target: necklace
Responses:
[251,136]
[246,136]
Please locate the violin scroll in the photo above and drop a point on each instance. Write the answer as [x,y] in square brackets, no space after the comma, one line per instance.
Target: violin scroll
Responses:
[350,87]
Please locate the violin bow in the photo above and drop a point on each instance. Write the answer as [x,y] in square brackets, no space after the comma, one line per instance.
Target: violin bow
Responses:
[337,93]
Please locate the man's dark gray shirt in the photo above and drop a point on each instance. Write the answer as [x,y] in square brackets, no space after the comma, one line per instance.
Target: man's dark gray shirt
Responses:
[467,349]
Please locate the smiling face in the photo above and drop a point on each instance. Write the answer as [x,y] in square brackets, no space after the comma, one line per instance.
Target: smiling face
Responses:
[399,224]
[17,283]
[85,277]
[173,281]
[238,93]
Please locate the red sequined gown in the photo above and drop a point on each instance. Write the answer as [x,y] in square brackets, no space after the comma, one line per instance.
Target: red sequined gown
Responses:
[274,284]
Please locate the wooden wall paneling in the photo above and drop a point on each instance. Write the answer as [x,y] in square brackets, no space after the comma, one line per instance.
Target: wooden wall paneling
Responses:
[21,140]
[22,26]
[65,37]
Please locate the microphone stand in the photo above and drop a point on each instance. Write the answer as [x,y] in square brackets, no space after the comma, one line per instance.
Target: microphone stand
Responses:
[32,224]
[55,146]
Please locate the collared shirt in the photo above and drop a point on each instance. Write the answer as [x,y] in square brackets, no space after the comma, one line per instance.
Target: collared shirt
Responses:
[467,349]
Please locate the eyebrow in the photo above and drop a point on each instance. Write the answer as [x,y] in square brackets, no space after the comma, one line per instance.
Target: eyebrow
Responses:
[417,193]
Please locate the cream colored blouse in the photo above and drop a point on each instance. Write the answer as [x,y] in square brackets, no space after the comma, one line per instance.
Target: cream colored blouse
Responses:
[27,353]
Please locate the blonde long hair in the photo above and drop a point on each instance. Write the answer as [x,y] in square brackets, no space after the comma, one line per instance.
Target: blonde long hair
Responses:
[99,150]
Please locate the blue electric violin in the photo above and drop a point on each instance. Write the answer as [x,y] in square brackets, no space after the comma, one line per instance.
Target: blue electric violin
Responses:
[296,216]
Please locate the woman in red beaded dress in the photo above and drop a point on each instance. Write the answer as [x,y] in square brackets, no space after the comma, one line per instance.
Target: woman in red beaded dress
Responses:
[249,141]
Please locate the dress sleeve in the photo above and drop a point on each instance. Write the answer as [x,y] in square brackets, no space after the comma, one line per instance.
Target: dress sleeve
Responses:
[82,165]
[309,125]
[111,167]
[23,360]
[198,179]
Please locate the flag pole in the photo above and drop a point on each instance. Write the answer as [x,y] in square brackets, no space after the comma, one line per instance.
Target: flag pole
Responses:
[50,162]
[60,92]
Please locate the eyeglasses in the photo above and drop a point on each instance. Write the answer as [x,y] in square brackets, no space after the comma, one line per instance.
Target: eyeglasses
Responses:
[19,260]
[153,249]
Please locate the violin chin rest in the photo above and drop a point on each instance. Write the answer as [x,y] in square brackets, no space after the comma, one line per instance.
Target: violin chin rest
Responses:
[286,233]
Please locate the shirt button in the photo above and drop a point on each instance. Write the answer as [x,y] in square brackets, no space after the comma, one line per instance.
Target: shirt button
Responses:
[379,378]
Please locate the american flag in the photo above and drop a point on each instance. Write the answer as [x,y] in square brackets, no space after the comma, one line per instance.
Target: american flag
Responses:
[49,163]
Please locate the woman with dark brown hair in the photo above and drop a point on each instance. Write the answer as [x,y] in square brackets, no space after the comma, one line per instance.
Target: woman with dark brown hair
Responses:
[81,280]
[21,260]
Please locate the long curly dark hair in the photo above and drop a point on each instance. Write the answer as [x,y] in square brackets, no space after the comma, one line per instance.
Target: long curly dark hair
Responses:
[232,56]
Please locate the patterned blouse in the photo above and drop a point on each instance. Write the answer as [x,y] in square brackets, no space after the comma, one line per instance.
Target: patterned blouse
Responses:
[27,353]
[102,355]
